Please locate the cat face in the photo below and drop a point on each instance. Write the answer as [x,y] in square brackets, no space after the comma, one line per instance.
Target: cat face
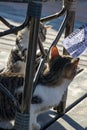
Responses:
[59,68]
[17,58]
[70,69]
[22,39]
[67,64]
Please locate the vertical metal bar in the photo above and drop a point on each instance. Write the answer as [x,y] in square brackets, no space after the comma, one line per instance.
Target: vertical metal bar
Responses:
[70,24]
[22,119]
[28,83]
[68,29]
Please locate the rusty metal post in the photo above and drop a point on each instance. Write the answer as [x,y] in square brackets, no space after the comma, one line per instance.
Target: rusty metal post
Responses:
[71,6]
[70,25]
[22,118]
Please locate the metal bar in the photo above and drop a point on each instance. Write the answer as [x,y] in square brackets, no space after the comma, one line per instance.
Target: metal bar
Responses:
[53,16]
[6,22]
[33,37]
[30,66]
[56,15]
[67,109]
[68,29]
[41,47]
[39,70]
[66,18]
[50,122]
[14,29]
[22,119]
[29,75]
[61,29]
[70,25]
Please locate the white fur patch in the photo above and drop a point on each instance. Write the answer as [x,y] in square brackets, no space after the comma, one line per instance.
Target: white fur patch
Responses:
[50,97]
[25,37]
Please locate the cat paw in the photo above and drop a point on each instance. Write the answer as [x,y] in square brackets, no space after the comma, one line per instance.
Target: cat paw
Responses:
[36,127]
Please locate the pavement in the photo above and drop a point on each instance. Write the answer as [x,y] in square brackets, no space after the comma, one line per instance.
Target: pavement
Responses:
[76,118]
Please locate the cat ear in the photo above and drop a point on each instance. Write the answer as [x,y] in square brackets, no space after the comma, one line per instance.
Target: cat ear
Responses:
[54,52]
[75,62]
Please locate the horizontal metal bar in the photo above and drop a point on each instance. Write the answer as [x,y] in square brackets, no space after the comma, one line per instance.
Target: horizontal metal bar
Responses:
[53,16]
[50,122]
[14,29]
[6,22]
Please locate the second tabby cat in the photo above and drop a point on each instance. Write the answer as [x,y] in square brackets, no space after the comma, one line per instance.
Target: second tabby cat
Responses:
[17,59]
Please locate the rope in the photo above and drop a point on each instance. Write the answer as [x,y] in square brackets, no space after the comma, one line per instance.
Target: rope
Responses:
[70,5]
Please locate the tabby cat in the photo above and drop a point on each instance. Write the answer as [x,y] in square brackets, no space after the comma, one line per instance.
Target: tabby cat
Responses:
[51,86]
[17,58]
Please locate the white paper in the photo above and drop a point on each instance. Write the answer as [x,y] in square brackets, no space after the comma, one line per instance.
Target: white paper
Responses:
[76,42]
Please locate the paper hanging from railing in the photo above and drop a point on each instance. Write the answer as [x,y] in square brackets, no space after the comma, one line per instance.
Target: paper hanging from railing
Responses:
[76,42]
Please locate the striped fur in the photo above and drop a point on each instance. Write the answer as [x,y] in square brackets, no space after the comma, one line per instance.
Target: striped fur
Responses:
[17,59]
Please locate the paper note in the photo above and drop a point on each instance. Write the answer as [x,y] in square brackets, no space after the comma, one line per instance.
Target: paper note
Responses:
[76,42]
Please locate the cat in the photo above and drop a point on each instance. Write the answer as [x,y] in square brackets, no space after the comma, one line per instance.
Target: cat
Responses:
[17,58]
[52,84]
